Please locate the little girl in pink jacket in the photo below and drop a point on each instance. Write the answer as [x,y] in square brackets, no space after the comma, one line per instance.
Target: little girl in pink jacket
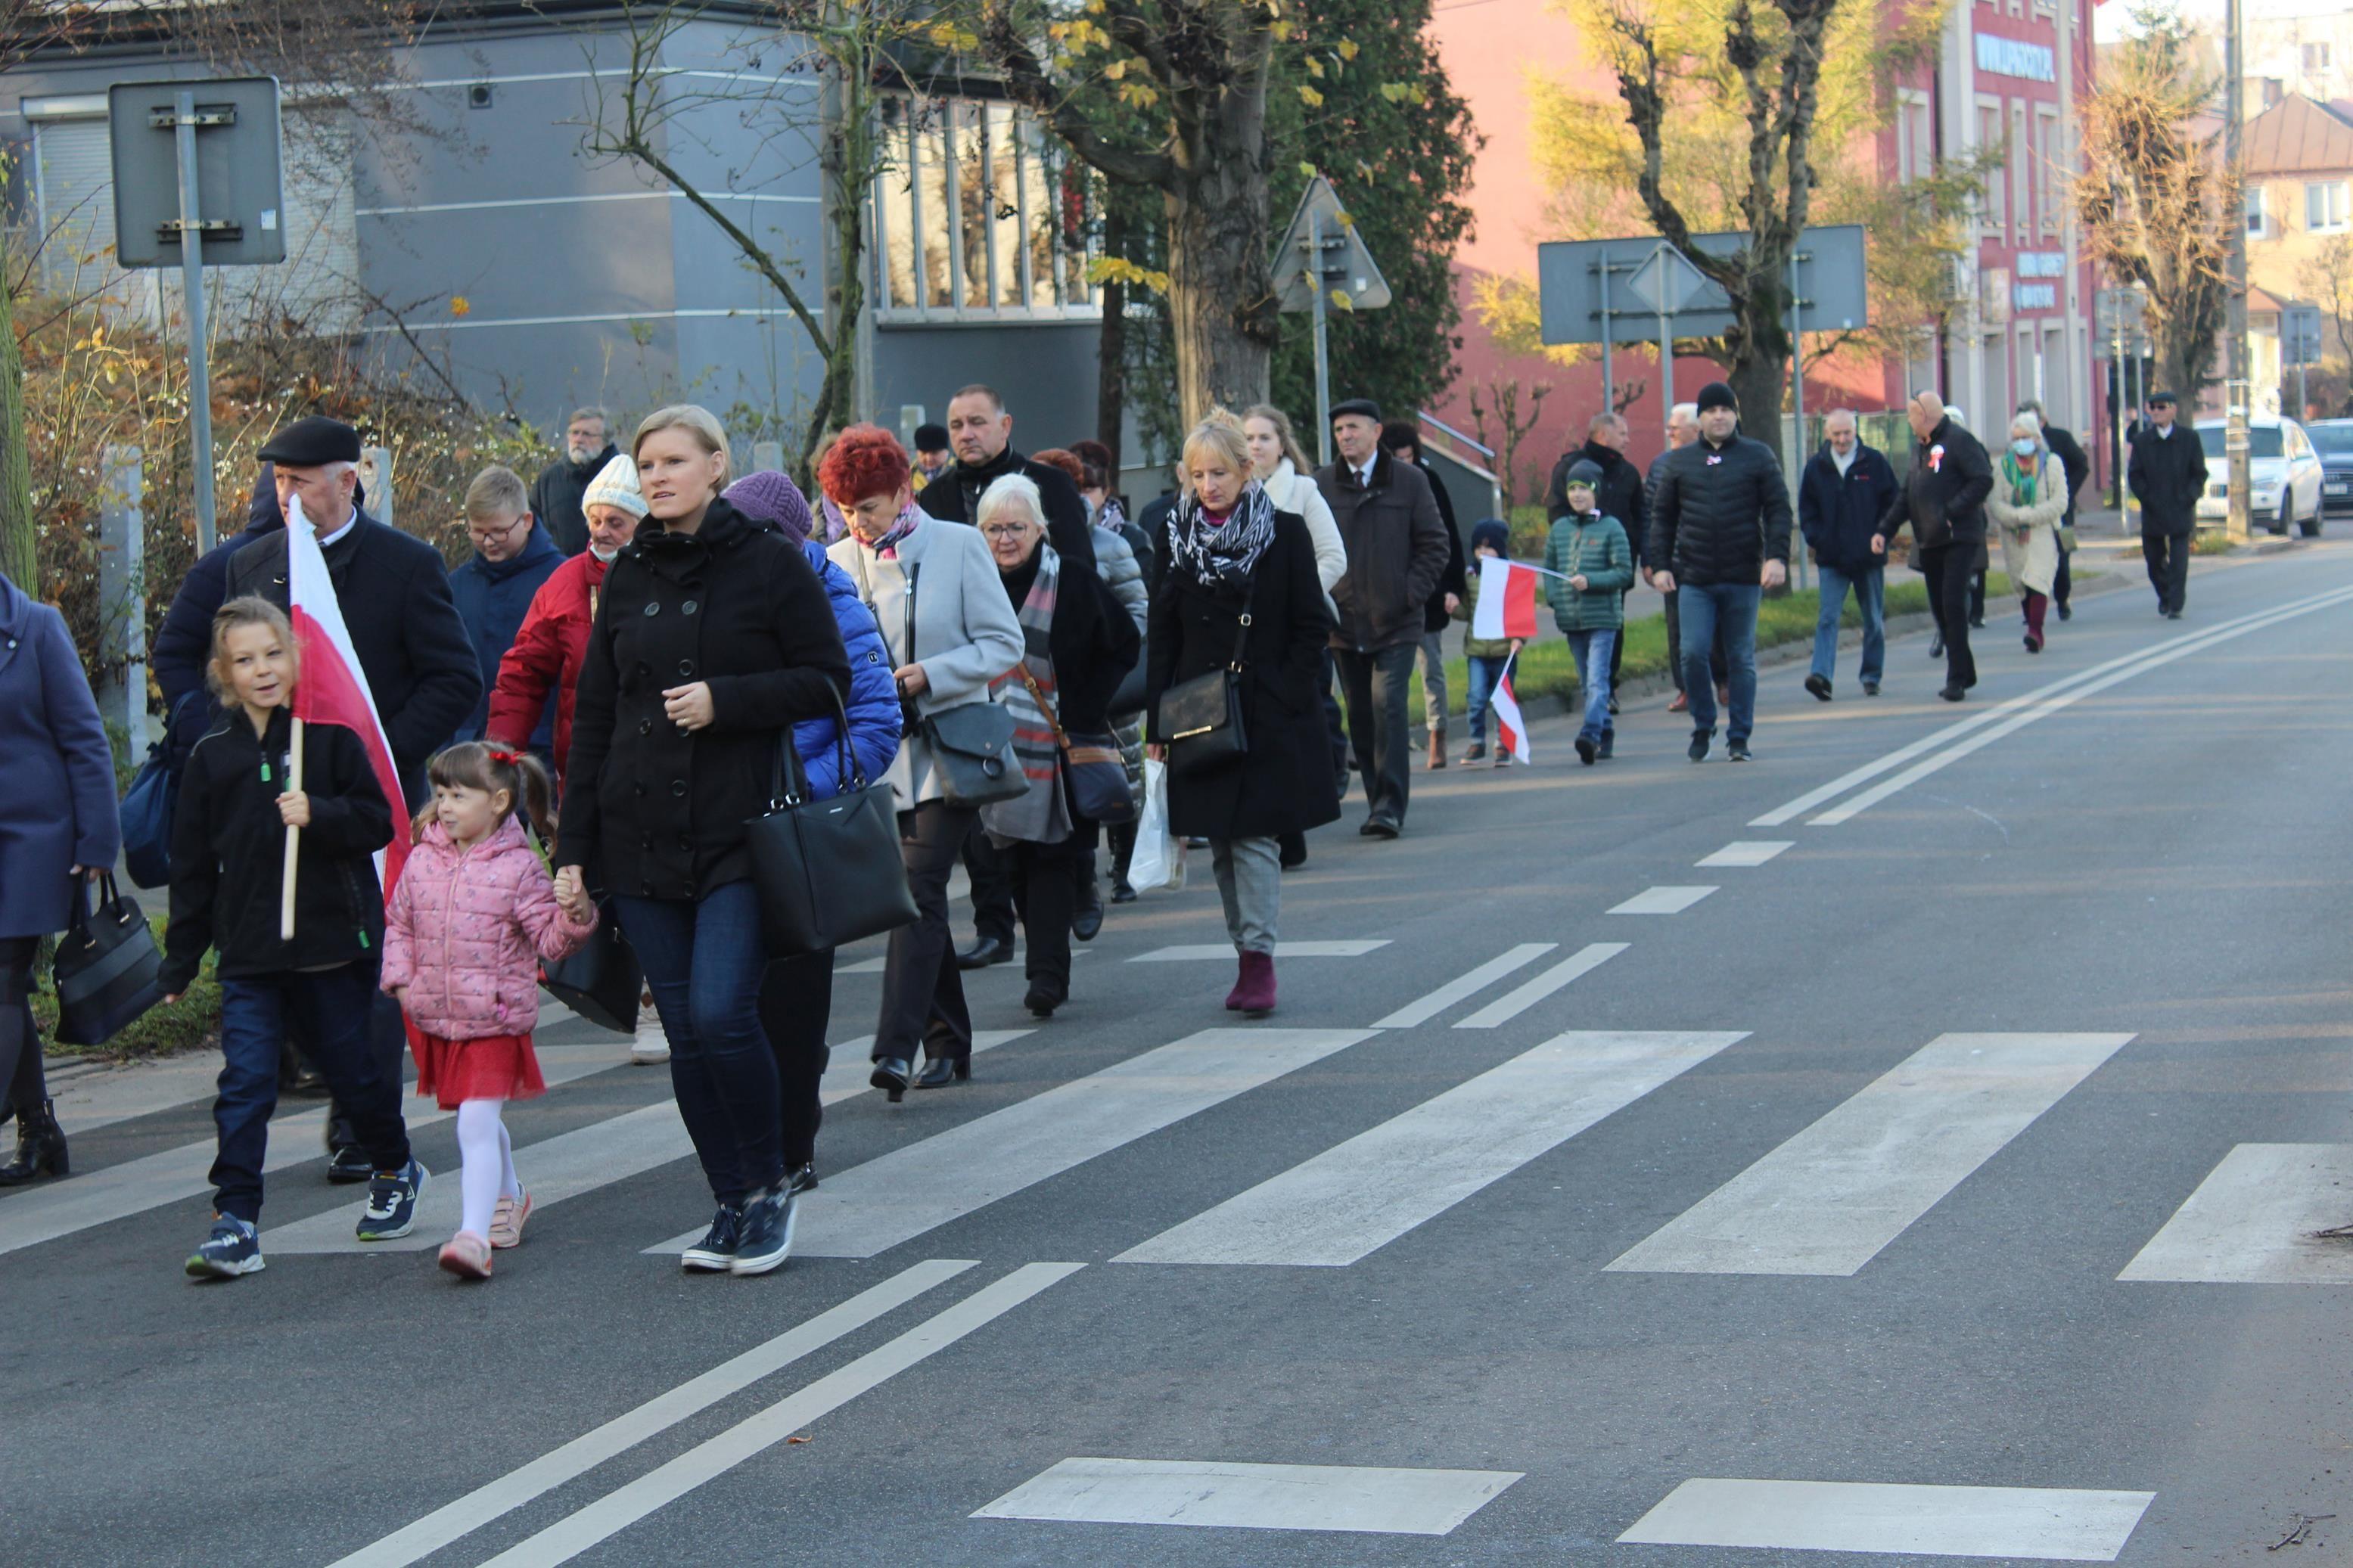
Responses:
[474,913]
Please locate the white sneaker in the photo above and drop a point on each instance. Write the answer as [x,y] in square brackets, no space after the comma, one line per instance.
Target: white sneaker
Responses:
[651,1046]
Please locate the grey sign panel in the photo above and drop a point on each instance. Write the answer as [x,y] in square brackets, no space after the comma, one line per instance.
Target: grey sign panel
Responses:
[240,197]
[1348,264]
[1667,282]
[2300,335]
[1833,290]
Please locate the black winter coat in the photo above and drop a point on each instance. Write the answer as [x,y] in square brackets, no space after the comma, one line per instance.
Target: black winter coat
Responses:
[1622,494]
[1943,496]
[1718,513]
[183,645]
[2167,475]
[413,648]
[733,603]
[1284,785]
[1839,516]
[2078,468]
[1396,540]
[1454,578]
[954,497]
[555,498]
[228,853]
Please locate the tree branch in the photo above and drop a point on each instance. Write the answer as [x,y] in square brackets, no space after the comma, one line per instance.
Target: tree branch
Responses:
[1027,79]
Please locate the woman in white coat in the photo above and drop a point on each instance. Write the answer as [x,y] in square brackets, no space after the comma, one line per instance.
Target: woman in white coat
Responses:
[959,634]
[2028,498]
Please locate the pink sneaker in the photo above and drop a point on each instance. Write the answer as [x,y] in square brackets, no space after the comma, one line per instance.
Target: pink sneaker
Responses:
[467,1255]
[506,1220]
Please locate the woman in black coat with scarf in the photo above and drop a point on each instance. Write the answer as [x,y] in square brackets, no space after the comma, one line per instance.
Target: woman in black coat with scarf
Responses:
[712,638]
[1232,557]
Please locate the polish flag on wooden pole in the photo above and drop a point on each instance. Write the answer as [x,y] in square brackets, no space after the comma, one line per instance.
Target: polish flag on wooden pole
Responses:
[1511,730]
[331,688]
[1507,601]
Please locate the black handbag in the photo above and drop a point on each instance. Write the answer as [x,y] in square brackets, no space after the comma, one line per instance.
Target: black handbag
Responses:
[1202,719]
[602,981]
[828,872]
[1094,766]
[109,970]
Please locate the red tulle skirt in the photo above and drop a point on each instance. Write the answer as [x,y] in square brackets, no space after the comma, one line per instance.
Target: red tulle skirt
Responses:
[497,1067]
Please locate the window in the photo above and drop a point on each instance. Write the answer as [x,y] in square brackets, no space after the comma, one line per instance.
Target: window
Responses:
[2050,158]
[2018,154]
[1992,138]
[2324,205]
[980,216]
[2258,215]
[1915,136]
[2316,59]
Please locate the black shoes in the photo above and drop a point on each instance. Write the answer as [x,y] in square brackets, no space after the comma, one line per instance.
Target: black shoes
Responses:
[1871,689]
[1609,746]
[890,1076]
[1042,1002]
[2066,613]
[1977,623]
[1953,693]
[802,1179]
[984,951]
[716,1250]
[1377,826]
[2033,643]
[941,1071]
[1587,750]
[1088,919]
[40,1146]
[1937,646]
[1820,685]
[1738,751]
[1291,851]
[766,1237]
[1120,893]
[1613,703]
[349,1164]
[2174,614]
[1698,751]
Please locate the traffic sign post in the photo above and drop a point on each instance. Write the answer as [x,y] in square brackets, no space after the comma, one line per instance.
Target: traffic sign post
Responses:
[2300,347]
[1321,259]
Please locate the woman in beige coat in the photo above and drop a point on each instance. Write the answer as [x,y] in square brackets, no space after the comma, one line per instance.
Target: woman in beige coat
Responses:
[2028,498]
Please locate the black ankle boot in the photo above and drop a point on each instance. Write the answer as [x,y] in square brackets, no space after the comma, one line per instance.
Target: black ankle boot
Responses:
[40,1147]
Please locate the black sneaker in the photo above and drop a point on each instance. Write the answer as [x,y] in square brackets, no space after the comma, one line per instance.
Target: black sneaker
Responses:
[767,1235]
[1609,746]
[1820,685]
[803,1179]
[391,1210]
[1871,689]
[1738,751]
[349,1164]
[233,1248]
[716,1250]
[1613,703]
[1698,751]
[1587,750]
[2066,613]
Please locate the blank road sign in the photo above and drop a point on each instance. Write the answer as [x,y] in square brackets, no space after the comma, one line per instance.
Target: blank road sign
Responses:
[239,197]
[1831,290]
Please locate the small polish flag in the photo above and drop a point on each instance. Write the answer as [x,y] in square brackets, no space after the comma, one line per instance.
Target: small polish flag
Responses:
[1507,600]
[1511,733]
[332,689]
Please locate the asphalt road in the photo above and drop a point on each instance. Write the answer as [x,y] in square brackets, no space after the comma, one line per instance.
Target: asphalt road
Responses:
[1971,1140]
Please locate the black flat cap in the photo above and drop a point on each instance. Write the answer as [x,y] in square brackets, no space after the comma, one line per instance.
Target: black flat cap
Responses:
[931,438]
[1716,395]
[2157,397]
[1363,405]
[313,443]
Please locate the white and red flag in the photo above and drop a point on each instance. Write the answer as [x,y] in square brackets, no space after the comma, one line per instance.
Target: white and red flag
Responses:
[1507,600]
[1511,730]
[332,687]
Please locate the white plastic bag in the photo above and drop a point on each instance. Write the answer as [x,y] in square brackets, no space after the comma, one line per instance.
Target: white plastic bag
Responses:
[1159,859]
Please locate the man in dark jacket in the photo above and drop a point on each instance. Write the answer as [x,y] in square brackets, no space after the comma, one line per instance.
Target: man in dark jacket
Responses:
[2166,473]
[1943,500]
[1389,521]
[1619,494]
[555,496]
[1403,442]
[512,556]
[1846,488]
[1719,536]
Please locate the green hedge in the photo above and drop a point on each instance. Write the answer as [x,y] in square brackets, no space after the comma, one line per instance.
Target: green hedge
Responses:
[191,1022]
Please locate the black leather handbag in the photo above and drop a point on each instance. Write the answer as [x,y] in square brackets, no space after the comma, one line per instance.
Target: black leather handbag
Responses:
[1202,719]
[828,872]
[602,981]
[108,969]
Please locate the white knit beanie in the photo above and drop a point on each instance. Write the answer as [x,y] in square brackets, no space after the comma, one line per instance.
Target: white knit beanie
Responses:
[616,484]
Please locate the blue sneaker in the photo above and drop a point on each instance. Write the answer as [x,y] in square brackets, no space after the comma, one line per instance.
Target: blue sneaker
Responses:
[391,1210]
[233,1248]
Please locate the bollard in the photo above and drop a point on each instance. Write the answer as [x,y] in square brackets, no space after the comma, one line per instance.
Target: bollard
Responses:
[123,597]
[375,476]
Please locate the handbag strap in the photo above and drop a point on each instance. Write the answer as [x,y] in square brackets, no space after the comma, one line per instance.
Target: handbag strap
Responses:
[1242,631]
[789,779]
[1053,723]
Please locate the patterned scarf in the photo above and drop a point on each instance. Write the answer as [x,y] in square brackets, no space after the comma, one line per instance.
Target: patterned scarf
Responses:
[1040,814]
[1222,554]
[886,547]
[1112,515]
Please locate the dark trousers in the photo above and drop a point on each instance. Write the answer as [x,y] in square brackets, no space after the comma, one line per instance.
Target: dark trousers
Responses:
[795,1006]
[1122,851]
[388,1039]
[992,886]
[330,1008]
[21,1087]
[1947,568]
[1377,684]
[1717,665]
[2168,555]
[1977,597]
[1333,727]
[1046,891]
[2063,582]
[705,959]
[923,990]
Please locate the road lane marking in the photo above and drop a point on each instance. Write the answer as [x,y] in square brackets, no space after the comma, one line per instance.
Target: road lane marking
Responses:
[1746,852]
[1468,986]
[2252,1220]
[2052,1523]
[846,1075]
[619,1508]
[518,1486]
[1831,1199]
[1661,901]
[1349,1201]
[1361,1498]
[1207,951]
[891,1200]
[876,966]
[1510,1005]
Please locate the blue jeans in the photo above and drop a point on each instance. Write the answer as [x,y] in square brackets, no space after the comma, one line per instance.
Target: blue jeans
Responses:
[1592,651]
[704,960]
[330,1010]
[1870,597]
[1485,674]
[1731,608]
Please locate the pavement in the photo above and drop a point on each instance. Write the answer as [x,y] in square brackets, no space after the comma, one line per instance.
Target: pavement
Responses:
[1903,1149]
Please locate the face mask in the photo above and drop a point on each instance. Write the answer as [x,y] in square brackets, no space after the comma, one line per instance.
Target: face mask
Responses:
[601,553]
[2024,449]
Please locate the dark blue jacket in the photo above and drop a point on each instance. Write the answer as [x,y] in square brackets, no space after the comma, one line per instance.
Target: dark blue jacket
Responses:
[873,705]
[57,770]
[1839,516]
[184,646]
[493,597]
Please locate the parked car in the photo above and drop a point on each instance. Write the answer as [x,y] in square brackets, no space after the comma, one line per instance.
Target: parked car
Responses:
[2282,468]
[2333,439]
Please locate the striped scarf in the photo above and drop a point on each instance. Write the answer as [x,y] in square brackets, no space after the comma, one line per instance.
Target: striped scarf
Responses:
[1041,814]
[1222,552]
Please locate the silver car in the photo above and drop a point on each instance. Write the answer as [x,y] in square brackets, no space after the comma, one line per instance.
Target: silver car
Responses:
[2283,469]
[2333,439]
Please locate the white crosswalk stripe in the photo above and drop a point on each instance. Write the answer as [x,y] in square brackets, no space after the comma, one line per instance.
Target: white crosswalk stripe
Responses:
[1511,1004]
[2253,1221]
[2049,1523]
[1215,951]
[1746,852]
[1425,1008]
[1358,1498]
[1664,900]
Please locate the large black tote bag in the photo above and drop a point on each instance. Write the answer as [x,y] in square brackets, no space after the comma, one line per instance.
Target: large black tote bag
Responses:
[828,871]
[108,969]
[603,980]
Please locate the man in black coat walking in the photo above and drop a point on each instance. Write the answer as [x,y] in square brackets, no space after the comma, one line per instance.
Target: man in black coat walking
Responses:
[1943,500]
[1846,488]
[2167,474]
[1619,495]
[556,494]
[2078,468]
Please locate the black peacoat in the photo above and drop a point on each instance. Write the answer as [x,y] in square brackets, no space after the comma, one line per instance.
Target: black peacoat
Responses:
[733,603]
[1284,785]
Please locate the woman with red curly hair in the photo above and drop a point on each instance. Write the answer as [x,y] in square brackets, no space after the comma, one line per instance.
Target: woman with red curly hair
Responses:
[950,631]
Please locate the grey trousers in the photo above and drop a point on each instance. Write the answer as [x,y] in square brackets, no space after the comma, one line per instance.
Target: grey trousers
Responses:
[1249,881]
[1433,681]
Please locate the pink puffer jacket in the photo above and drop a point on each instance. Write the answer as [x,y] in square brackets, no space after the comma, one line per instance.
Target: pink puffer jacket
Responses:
[466,930]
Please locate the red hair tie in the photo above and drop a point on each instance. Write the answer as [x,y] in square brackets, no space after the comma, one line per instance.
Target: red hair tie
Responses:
[498,756]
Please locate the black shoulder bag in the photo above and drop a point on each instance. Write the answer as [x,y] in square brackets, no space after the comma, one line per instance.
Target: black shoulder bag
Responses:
[1202,719]
[109,970]
[828,872]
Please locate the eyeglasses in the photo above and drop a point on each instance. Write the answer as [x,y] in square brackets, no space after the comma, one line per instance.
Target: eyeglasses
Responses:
[488,536]
[1006,530]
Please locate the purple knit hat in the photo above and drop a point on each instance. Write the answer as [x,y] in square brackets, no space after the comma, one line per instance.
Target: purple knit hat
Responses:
[770,497]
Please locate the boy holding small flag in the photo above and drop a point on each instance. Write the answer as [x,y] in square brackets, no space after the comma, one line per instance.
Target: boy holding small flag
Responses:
[1592,566]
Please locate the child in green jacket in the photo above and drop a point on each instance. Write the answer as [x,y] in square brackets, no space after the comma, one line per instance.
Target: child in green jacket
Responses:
[1589,551]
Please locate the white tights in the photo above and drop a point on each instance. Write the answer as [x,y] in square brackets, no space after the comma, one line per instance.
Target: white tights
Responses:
[489,1173]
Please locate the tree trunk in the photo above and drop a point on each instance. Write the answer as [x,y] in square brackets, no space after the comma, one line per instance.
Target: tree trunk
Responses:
[1220,298]
[1111,346]
[19,561]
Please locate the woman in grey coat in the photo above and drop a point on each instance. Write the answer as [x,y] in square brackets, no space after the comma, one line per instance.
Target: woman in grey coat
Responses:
[957,635]
[57,821]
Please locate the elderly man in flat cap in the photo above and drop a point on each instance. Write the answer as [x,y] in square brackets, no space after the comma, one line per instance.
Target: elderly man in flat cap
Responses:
[2167,474]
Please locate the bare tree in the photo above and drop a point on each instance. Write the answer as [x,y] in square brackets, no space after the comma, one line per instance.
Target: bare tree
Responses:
[1514,424]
